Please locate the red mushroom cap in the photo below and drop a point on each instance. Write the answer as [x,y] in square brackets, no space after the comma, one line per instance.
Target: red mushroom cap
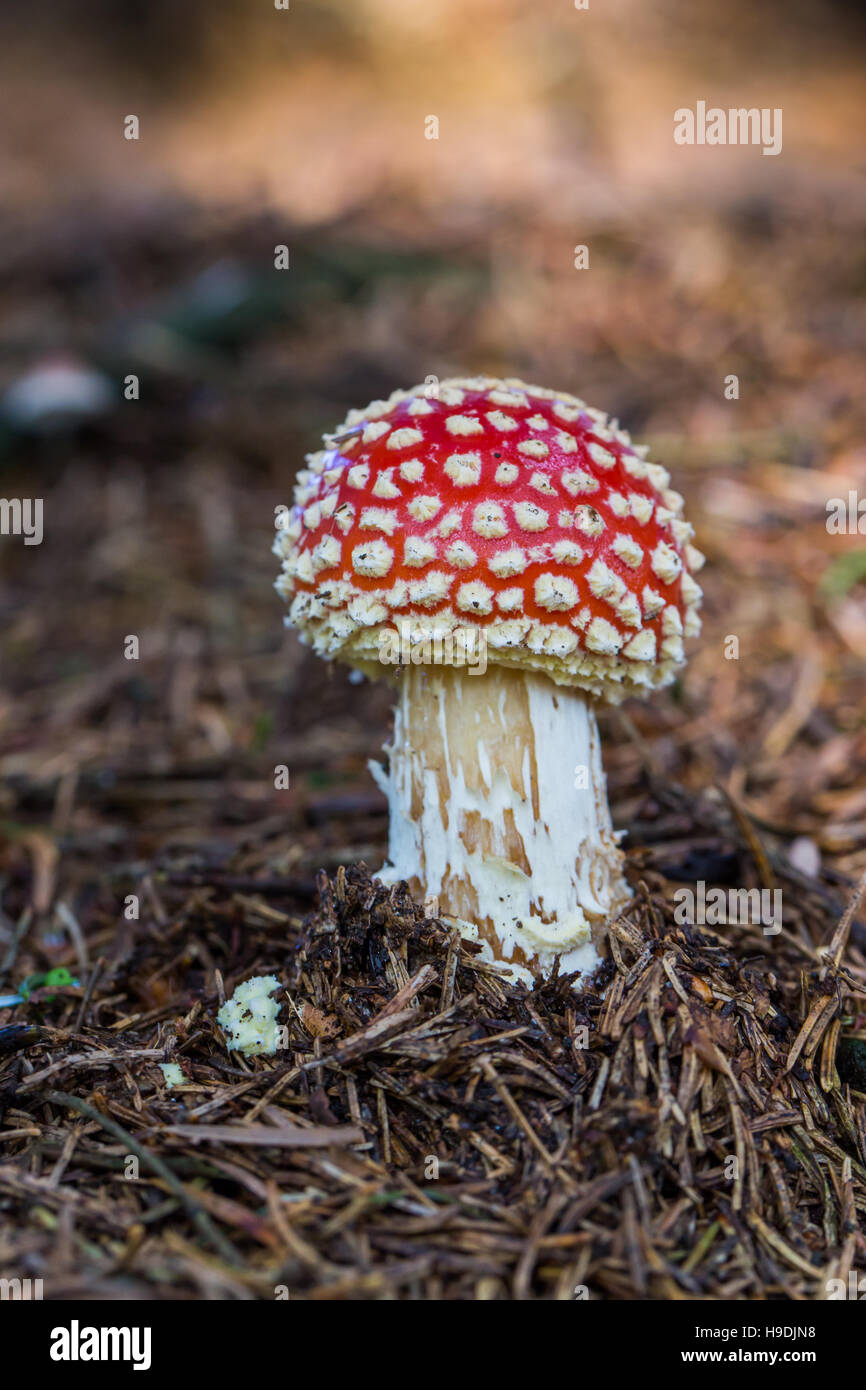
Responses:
[511,508]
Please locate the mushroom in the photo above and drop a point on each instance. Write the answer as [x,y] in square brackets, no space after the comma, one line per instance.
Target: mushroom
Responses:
[524,529]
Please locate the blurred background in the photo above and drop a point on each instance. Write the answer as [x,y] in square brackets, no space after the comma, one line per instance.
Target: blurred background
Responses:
[306,127]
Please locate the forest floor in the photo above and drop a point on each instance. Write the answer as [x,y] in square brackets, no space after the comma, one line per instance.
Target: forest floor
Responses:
[697,1129]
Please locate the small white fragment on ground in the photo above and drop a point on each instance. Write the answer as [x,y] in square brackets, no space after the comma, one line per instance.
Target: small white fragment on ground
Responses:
[249,1018]
[55,392]
[805,855]
[173,1074]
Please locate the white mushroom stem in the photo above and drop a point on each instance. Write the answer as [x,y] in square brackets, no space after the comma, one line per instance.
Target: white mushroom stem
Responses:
[498,808]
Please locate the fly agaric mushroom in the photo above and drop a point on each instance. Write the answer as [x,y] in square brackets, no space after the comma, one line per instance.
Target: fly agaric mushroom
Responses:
[531,518]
